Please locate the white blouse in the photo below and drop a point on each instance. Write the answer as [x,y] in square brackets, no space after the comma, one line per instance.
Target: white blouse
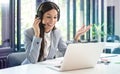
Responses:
[47,43]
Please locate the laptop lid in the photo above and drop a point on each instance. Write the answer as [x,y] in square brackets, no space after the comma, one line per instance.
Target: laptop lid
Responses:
[81,55]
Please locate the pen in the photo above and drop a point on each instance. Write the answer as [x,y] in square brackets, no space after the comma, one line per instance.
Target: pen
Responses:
[117,62]
[109,56]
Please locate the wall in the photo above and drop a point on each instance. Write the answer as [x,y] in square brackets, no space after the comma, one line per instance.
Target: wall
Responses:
[116,3]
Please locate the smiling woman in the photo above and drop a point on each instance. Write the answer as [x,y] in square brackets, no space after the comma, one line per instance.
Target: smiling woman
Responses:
[53,38]
[43,39]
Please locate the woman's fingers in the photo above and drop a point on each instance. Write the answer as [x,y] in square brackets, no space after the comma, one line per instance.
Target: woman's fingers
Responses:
[81,31]
[84,29]
[81,27]
[36,27]
[87,28]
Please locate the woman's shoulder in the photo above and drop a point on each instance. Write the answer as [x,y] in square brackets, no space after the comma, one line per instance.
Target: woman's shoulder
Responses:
[57,31]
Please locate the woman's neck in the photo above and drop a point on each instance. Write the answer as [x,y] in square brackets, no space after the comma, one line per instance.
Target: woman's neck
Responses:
[47,31]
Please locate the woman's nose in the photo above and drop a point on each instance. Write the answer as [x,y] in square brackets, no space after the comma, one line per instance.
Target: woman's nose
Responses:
[53,19]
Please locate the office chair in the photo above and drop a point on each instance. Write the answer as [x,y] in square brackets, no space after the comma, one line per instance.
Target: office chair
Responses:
[116,51]
[15,59]
[113,38]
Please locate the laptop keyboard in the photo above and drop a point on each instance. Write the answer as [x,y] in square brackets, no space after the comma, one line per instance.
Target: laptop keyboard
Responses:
[55,62]
[58,66]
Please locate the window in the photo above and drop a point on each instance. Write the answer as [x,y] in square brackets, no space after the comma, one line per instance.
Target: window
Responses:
[93,12]
[25,18]
[28,10]
[6,27]
[0,26]
[4,24]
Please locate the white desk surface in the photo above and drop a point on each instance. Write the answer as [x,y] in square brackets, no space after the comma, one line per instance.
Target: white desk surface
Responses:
[112,68]
[112,45]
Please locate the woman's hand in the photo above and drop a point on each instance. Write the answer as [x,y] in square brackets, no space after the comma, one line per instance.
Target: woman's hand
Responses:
[81,31]
[36,27]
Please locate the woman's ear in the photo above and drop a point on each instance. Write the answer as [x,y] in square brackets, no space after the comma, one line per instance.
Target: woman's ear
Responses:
[36,16]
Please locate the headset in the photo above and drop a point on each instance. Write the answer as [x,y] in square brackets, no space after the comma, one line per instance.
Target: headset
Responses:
[49,5]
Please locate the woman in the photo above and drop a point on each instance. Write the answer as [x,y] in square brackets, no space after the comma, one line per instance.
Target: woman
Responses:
[43,40]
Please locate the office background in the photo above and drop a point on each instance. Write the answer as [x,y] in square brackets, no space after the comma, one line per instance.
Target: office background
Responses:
[18,15]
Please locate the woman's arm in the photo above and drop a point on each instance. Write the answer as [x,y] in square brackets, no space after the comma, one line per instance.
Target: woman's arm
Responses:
[32,46]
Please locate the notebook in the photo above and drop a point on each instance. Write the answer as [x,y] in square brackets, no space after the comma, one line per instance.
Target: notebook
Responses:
[79,56]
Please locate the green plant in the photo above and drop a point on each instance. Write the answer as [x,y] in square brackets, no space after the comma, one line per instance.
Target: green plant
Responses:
[97,30]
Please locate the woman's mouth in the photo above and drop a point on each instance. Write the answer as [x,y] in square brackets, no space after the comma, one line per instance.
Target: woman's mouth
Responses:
[49,25]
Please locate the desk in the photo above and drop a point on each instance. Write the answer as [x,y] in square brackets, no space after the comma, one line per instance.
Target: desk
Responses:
[38,68]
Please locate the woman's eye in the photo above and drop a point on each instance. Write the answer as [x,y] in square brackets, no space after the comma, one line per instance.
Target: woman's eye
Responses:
[55,17]
[48,17]
[51,17]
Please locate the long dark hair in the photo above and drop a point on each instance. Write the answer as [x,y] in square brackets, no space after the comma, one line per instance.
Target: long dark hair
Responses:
[43,8]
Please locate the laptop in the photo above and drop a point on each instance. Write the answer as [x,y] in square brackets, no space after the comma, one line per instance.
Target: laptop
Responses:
[79,56]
